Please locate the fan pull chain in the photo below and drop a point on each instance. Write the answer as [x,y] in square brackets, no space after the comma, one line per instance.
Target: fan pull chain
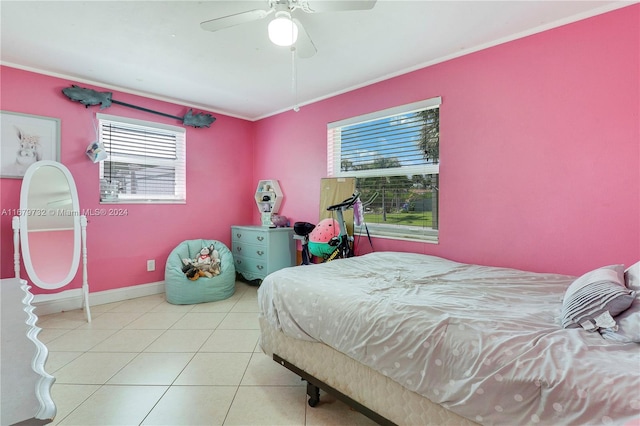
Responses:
[294,79]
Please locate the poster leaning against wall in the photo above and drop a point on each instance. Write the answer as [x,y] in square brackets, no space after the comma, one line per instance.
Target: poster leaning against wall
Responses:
[25,139]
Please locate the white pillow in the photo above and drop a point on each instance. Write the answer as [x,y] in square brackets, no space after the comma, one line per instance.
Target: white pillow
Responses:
[632,277]
[629,320]
[595,298]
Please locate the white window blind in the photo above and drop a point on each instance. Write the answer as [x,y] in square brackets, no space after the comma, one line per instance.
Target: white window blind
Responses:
[146,161]
[394,156]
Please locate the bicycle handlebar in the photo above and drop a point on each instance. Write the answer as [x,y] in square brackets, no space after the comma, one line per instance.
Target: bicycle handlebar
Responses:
[349,202]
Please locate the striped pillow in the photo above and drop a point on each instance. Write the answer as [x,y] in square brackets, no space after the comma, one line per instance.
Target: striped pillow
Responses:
[595,298]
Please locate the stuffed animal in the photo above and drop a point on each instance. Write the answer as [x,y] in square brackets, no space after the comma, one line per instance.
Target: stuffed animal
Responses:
[279,221]
[191,271]
[213,266]
[321,235]
[204,257]
[206,264]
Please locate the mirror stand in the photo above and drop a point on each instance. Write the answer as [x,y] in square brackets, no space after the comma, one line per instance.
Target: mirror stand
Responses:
[15,224]
[85,281]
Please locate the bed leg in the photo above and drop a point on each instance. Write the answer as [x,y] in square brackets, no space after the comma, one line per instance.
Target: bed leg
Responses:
[314,394]
[313,390]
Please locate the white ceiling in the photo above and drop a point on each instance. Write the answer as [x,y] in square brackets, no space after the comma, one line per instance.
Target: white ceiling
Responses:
[157,48]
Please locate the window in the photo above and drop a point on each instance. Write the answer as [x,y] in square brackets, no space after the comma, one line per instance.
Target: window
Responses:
[395,157]
[146,161]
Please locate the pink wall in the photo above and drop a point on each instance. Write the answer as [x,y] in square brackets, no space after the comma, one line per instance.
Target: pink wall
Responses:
[539,143]
[539,146]
[118,247]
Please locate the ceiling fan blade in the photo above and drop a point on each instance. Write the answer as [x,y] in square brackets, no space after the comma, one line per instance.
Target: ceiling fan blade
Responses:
[233,20]
[339,6]
[304,45]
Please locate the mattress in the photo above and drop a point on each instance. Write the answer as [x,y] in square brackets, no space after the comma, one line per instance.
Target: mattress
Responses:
[483,342]
[363,384]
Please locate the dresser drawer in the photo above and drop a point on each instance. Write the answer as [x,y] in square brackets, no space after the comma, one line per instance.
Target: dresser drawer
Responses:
[250,269]
[250,250]
[258,237]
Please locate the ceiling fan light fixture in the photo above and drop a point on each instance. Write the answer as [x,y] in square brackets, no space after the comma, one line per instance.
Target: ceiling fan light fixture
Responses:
[282,30]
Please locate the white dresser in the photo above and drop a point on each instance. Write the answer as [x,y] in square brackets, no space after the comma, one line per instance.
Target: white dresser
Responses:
[259,251]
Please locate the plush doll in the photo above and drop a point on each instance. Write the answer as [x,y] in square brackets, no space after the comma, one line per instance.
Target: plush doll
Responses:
[208,261]
[206,264]
[204,257]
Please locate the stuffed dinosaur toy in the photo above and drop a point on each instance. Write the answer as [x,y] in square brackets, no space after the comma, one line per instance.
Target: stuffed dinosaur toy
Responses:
[206,264]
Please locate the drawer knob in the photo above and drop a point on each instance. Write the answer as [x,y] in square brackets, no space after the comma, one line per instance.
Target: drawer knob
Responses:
[260,267]
[260,252]
[238,235]
[238,261]
[260,238]
[238,249]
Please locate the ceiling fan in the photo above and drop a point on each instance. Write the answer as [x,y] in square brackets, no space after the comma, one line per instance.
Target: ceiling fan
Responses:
[284,30]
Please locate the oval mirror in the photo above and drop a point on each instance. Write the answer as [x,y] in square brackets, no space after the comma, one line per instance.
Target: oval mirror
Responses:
[49,224]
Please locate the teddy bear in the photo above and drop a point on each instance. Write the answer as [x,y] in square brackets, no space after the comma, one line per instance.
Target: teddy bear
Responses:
[206,264]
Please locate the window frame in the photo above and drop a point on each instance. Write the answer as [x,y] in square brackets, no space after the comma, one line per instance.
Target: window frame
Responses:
[388,231]
[179,195]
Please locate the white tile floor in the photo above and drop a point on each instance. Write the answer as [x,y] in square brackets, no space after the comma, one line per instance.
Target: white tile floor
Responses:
[146,362]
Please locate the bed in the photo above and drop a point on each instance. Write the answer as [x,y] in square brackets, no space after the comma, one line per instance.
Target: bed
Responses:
[416,339]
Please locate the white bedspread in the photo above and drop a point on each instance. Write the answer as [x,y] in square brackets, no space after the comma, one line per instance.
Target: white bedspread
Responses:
[484,342]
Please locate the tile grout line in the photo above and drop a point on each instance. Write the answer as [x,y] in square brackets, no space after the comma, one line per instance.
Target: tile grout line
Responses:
[241,300]
[192,358]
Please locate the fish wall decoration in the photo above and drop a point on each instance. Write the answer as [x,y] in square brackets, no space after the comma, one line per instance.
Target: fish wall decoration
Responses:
[90,97]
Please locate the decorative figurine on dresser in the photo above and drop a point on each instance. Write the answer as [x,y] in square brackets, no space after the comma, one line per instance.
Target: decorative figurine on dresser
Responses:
[261,250]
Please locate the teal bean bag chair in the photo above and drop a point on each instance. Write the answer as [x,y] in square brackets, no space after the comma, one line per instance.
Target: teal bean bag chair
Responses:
[180,290]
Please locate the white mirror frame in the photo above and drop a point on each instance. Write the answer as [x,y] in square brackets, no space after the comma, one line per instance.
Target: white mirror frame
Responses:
[29,210]
[20,226]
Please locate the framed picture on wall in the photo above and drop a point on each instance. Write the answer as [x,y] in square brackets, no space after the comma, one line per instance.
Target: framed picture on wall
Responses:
[25,139]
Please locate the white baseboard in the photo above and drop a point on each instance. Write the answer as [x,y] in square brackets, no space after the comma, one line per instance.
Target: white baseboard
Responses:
[68,300]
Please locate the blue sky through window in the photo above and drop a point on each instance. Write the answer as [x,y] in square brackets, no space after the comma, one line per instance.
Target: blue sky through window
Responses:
[393,141]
